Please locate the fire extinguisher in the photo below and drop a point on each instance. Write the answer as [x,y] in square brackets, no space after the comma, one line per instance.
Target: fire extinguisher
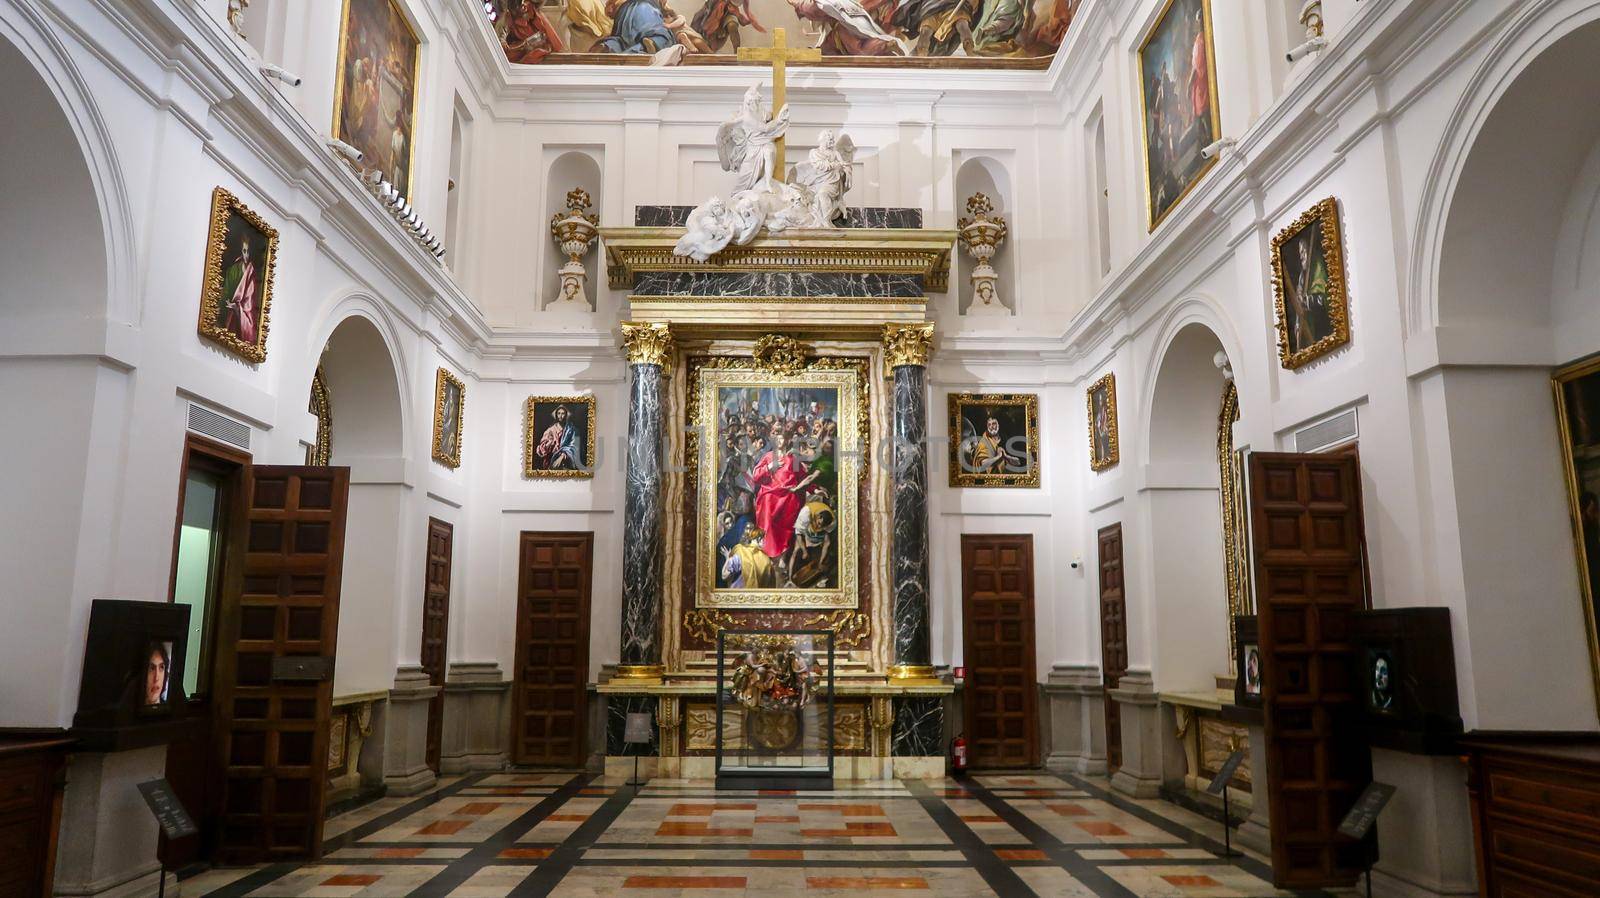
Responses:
[958,755]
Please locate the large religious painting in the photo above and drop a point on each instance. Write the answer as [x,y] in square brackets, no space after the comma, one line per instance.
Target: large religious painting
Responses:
[1578,411]
[994,439]
[449,405]
[375,101]
[1178,86]
[1313,310]
[1104,450]
[779,465]
[928,33]
[236,286]
[558,437]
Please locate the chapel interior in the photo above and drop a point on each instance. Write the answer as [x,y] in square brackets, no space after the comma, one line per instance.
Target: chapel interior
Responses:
[489,448]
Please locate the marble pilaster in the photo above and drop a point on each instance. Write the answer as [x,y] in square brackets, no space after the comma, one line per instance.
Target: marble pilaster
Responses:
[906,355]
[649,349]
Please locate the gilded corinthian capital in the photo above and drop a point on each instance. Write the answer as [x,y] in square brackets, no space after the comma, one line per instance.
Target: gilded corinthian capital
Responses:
[647,344]
[907,344]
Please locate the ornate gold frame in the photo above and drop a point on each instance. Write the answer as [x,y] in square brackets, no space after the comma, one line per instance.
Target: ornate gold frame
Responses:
[1030,404]
[1144,114]
[223,204]
[1326,213]
[416,93]
[706,376]
[452,460]
[1110,384]
[321,454]
[528,439]
[1235,554]
[1558,381]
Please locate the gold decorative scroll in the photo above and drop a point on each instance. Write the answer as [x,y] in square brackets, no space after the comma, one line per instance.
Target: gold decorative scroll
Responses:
[907,344]
[647,344]
[781,355]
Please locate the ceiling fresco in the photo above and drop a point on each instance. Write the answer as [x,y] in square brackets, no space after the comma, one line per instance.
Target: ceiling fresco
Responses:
[884,33]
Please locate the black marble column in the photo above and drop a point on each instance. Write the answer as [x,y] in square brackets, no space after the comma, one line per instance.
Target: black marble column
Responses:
[649,348]
[906,353]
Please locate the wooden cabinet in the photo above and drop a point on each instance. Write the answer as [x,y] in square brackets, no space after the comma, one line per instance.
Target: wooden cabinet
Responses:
[1535,813]
[32,775]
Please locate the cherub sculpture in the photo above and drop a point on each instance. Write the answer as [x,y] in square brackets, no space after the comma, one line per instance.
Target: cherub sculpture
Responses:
[747,143]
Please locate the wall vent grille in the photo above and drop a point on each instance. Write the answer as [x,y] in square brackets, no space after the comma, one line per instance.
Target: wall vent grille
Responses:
[1341,428]
[222,429]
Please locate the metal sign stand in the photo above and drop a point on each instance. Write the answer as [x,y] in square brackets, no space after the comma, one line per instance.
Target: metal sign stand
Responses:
[1220,784]
[636,731]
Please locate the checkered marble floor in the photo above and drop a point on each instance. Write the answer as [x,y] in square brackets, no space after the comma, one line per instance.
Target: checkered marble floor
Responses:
[504,835]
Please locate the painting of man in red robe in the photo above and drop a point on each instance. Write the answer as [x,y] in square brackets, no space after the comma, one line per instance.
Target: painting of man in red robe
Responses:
[528,36]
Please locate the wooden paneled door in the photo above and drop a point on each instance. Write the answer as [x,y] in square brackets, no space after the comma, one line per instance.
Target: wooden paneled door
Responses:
[436,628]
[1113,637]
[997,614]
[1310,580]
[274,680]
[548,717]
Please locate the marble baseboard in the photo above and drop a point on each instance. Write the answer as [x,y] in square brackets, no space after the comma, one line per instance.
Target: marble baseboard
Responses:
[896,217]
[746,284]
[918,727]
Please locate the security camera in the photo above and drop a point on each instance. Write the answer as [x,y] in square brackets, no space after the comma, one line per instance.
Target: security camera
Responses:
[280,73]
[1307,48]
[1213,150]
[346,150]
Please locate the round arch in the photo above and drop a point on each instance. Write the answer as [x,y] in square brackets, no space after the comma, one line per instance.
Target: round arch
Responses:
[367,378]
[1189,317]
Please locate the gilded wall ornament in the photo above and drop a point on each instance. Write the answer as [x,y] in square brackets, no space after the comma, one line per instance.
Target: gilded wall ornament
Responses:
[647,344]
[319,455]
[236,285]
[780,354]
[907,344]
[1308,286]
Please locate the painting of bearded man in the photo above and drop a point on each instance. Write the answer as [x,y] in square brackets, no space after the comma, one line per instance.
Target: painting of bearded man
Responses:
[238,278]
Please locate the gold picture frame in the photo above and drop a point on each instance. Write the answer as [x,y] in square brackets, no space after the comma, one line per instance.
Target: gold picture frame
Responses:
[320,454]
[1105,448]
[1214,113]
[449,411]
[1005,411]
[339,98]
[231,321]
[846,379]
[556,464]
[1568,383]
[1316,331]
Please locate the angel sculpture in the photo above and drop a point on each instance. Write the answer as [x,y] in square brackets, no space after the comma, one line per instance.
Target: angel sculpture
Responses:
[747,143]
[710,227]
[826,175]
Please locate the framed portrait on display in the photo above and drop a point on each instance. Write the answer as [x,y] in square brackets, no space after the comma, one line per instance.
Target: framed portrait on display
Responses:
[1308,286]
[994,439]
[778,477]
[1104,450]
[375,94]
[1178,93]
[236,286]
[1577,389]
[449,405]
[558,437]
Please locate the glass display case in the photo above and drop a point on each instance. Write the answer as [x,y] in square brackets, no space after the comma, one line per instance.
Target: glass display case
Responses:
[775,709]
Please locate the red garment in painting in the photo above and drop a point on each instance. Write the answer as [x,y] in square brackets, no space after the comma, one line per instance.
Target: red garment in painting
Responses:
[529,36]
[776,507]
[842,41]
[242,305]
[1199,78]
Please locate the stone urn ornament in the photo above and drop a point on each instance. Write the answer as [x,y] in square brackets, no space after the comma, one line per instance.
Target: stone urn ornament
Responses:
[574,231]
[981,235]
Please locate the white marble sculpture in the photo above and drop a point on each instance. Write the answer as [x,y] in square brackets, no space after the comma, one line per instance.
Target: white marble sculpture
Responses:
[747,146]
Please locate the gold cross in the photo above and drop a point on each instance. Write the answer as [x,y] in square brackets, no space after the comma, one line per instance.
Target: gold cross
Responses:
[779,54]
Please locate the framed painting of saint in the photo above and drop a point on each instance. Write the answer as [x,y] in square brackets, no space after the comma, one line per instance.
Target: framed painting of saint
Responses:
[236,287]
[558,437]
[1178,90]
[778,484]
[1577,390]
[994,439]
[1313,309]
[1104,450]
[375,94]
[449,405]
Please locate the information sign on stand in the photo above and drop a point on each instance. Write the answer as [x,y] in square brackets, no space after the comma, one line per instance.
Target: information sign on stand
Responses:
[1219,786]
[169,812]
[636,731]
[1358,823]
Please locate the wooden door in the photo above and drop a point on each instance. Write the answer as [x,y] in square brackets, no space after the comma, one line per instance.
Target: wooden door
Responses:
[548,719]
[274,678]
[1310,580]
[436,627]
[997,614]
[1113,638]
